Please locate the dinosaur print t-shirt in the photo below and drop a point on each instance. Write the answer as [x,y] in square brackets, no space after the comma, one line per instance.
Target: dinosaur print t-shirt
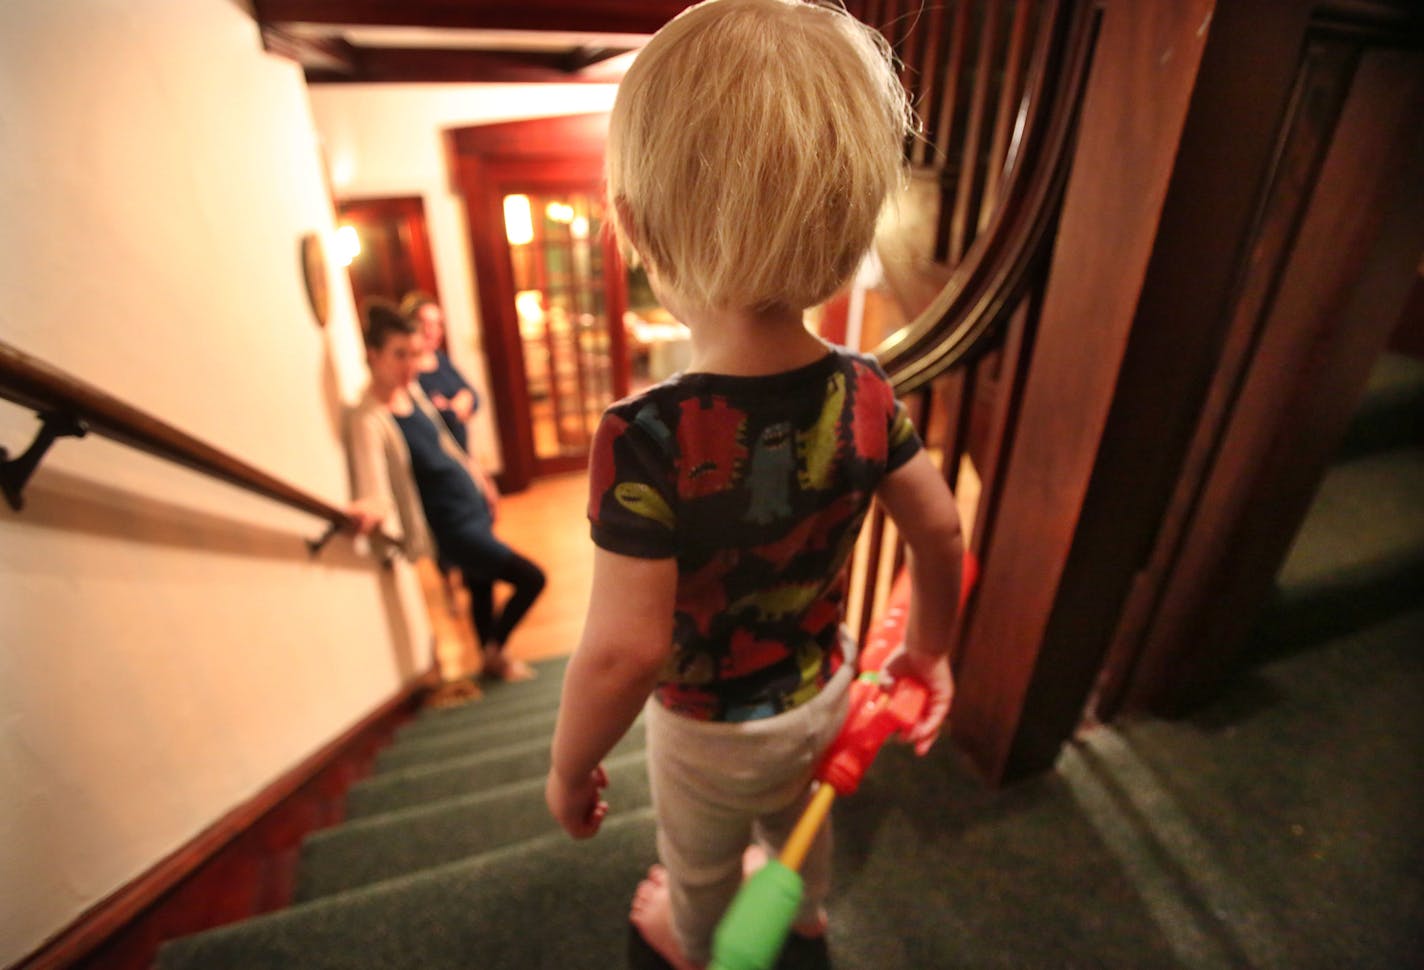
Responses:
[757,486]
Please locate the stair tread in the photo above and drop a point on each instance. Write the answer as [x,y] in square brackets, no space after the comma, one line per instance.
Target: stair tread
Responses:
[380,847]
[454,743]
[1369,511]
[549,902]
[427,782]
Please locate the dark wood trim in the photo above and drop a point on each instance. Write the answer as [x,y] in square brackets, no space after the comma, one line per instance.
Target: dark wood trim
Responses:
[429,65]
[1349,273]
[1408,335]
[1322,79]
[567,135]
[587,16]
[487,161]
[240,866]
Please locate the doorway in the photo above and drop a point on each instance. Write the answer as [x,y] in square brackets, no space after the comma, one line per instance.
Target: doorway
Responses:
[390,253]
[551,283]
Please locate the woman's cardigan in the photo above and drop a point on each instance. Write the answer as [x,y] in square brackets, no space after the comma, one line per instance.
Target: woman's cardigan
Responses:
[381,471]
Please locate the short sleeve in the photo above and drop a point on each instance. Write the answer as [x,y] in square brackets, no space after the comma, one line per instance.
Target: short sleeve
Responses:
[904,439]
[632,499]
[900,434]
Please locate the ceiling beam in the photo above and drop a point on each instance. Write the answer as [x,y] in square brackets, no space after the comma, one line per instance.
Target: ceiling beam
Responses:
[385,65]
[576,16]
[329,54]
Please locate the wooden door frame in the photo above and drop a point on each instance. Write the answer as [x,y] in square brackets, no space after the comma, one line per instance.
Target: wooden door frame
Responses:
[486,160]
[410,208]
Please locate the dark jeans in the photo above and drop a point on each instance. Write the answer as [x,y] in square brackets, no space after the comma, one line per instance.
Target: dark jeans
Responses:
[528,582]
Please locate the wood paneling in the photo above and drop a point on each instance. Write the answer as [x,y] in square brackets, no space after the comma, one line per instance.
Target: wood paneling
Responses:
[1339,296]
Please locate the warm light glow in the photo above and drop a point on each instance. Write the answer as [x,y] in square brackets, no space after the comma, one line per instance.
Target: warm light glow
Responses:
[346,245]
[518,220]
[343,171]
[529,307]
[579,227]
[559,212]
[529,304]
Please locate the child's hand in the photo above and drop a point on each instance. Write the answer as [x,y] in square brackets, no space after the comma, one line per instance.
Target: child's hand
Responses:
[579,808]
[934,673]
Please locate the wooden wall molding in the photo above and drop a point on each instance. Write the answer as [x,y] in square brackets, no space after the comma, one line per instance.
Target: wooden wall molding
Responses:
[242,865]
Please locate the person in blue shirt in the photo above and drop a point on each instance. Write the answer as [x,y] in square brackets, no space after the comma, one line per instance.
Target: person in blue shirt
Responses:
[413,481]
[453,396]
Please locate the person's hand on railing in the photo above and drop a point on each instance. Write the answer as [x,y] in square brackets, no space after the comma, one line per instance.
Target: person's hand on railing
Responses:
[362,516]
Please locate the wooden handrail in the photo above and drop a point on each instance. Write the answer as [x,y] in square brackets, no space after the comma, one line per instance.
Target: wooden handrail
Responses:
[47,390]
[962,318]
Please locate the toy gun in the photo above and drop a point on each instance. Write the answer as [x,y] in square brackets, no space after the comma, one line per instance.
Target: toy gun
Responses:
[754,929]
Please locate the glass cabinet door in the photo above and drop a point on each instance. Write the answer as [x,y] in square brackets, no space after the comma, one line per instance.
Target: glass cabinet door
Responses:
[557,252]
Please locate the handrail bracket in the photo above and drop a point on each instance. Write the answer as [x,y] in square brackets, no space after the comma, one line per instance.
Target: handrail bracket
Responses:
[15,472]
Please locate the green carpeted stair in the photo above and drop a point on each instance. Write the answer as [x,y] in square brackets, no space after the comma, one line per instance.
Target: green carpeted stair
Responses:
[1280,827]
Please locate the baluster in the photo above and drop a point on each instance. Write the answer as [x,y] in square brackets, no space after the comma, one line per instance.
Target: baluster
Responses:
[872,571]
[1006,397]
[1008,100]
[960,223]
[949,86]
[932,41]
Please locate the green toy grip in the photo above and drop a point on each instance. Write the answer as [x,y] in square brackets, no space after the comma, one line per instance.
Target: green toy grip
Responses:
[754,930]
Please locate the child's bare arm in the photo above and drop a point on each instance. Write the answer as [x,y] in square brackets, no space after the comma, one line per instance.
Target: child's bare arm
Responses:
[924,511]
[627,638]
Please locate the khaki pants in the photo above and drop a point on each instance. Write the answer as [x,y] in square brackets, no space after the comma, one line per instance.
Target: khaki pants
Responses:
[717,786]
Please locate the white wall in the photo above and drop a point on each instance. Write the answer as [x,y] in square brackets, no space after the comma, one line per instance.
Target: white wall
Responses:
[166,648]
[388,140]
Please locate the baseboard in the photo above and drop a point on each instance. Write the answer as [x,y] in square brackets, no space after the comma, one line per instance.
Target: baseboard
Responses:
[240,866]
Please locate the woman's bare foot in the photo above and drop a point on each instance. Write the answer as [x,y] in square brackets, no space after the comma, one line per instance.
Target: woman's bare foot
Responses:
[517,670]
[652,915]
[453,693]
[507,669]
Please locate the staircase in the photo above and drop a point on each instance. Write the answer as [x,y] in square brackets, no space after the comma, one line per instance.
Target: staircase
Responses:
[1275,828]
[448,857]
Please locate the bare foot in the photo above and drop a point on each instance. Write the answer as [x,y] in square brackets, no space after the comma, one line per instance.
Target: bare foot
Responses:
[507,669]
[453,693]
[753,859]
[652,915]
[517,670]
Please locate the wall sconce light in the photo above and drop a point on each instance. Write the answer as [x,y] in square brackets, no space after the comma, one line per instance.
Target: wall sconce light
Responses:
[346,245]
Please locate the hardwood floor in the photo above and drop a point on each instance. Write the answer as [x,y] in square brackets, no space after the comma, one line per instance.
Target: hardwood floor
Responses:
[547,523]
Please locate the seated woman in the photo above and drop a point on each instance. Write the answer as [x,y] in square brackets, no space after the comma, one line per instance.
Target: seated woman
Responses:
[420,487]
[453,396]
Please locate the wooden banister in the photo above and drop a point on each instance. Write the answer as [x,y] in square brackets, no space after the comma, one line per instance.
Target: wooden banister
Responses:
[980,292]
[49,391]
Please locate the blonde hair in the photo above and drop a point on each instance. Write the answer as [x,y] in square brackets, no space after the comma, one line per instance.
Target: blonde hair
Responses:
[751,148]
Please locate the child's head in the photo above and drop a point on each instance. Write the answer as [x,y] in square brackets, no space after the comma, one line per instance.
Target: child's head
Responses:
[751,148]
